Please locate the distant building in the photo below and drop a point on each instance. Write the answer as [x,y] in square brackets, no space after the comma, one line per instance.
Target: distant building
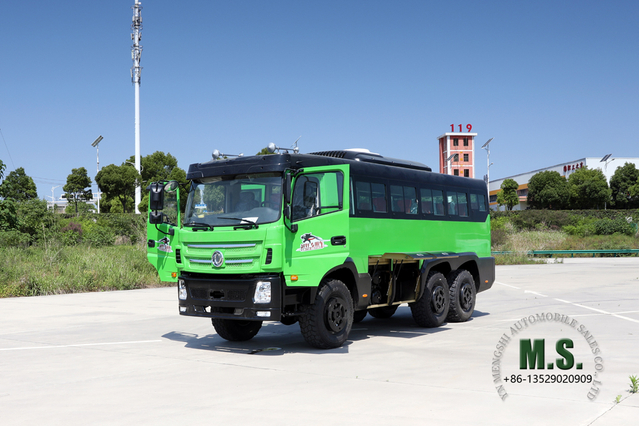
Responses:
[461,147]
[564,169]
[59,205]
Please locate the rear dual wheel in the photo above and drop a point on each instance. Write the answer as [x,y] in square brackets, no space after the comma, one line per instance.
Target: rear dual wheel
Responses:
[431,309]
[462,296]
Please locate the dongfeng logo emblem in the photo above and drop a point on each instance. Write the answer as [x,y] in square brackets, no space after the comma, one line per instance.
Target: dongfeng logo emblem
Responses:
[217,259]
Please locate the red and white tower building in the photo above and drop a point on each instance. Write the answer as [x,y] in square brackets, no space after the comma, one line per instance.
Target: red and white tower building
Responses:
[457,154]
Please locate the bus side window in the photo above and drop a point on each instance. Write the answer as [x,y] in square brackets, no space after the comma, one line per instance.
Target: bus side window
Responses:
[482,203]
[410,200]
[462,204]
[427,200]
[451,198]
[363,195]
[474,204]
[397,199]
[379,197]
[438,202]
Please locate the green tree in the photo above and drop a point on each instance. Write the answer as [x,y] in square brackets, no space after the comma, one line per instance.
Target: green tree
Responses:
[588,189]
[159,167]
[264,151]
[508,195]
[8,215]
[2,167]
[548,190]
[624,178]
[18,186]
[78,187]
[118,182]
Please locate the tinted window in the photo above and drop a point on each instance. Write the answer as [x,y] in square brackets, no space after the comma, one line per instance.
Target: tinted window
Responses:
[363,190]
[426,200]
[410,200]
[451,201]
[378,191]
[462,204]
[438,203]
[403,199]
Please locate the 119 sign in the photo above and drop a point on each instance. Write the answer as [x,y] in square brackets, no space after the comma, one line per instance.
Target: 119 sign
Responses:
[469,127]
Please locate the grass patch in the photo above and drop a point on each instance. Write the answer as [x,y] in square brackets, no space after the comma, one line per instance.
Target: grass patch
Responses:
[57,269]
[516,259]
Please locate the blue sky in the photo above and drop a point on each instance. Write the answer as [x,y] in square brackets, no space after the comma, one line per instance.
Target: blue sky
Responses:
[550,81]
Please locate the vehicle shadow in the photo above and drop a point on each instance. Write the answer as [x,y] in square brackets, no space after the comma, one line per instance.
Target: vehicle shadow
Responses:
[276,339]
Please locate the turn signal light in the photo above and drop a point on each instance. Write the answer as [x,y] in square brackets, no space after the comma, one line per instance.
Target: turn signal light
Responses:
[294,278]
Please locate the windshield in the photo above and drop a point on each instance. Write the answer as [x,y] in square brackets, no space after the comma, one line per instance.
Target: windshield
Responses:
[232,201]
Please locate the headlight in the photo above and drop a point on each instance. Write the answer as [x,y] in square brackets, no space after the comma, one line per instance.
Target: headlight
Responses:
[181,290]
[262,292]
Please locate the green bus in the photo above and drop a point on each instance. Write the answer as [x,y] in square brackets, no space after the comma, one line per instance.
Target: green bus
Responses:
[322,239]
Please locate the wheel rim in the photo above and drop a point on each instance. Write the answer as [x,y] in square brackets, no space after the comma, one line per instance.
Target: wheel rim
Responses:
[438,300]
[466,297]
[336,314]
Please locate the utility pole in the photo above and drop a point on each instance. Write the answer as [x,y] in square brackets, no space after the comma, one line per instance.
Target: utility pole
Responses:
[486,146]
[136,71]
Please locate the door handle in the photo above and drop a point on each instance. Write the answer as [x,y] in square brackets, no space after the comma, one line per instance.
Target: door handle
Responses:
[338,241]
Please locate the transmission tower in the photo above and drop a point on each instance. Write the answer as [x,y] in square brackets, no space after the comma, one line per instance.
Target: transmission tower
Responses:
[136,72]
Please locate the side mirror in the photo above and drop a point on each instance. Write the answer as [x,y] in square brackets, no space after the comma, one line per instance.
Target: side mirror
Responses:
[155,218]
[156,197]
[171,186]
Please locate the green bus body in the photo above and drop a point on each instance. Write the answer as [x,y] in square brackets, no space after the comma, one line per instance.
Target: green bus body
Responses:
[321,238]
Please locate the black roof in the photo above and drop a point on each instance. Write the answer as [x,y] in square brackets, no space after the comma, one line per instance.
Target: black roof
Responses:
[361,164]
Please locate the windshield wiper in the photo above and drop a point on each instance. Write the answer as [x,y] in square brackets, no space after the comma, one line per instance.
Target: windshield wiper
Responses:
[199,225]
[250,224]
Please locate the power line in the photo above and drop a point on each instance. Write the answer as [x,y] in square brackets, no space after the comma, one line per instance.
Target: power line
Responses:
[5,144]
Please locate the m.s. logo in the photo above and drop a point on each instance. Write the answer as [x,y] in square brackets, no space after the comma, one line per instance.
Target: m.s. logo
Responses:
[311,242]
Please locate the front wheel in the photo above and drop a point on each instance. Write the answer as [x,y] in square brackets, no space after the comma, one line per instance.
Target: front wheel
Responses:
[327,323]
[431,308]
[236,330]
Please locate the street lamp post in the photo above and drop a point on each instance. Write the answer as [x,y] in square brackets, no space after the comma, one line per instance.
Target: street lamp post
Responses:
[486,146]
[95,144]
[450,159]
[606,159]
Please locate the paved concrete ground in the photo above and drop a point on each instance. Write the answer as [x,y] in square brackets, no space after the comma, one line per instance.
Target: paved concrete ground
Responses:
[129,358]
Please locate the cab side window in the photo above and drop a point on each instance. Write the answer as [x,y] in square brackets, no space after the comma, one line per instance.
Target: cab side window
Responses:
[316,194]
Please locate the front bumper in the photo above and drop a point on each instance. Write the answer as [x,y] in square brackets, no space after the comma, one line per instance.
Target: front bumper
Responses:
[230,296]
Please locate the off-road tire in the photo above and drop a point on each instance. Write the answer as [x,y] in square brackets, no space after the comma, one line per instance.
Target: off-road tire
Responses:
[383,312]
[431,309]
[463,294]
[236,330]
[328,321]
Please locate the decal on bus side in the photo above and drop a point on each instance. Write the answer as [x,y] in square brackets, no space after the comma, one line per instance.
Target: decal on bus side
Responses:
[165,245]
[311,242]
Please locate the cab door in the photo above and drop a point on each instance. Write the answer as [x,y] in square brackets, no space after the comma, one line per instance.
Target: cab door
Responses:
[162,238]
[319,211]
